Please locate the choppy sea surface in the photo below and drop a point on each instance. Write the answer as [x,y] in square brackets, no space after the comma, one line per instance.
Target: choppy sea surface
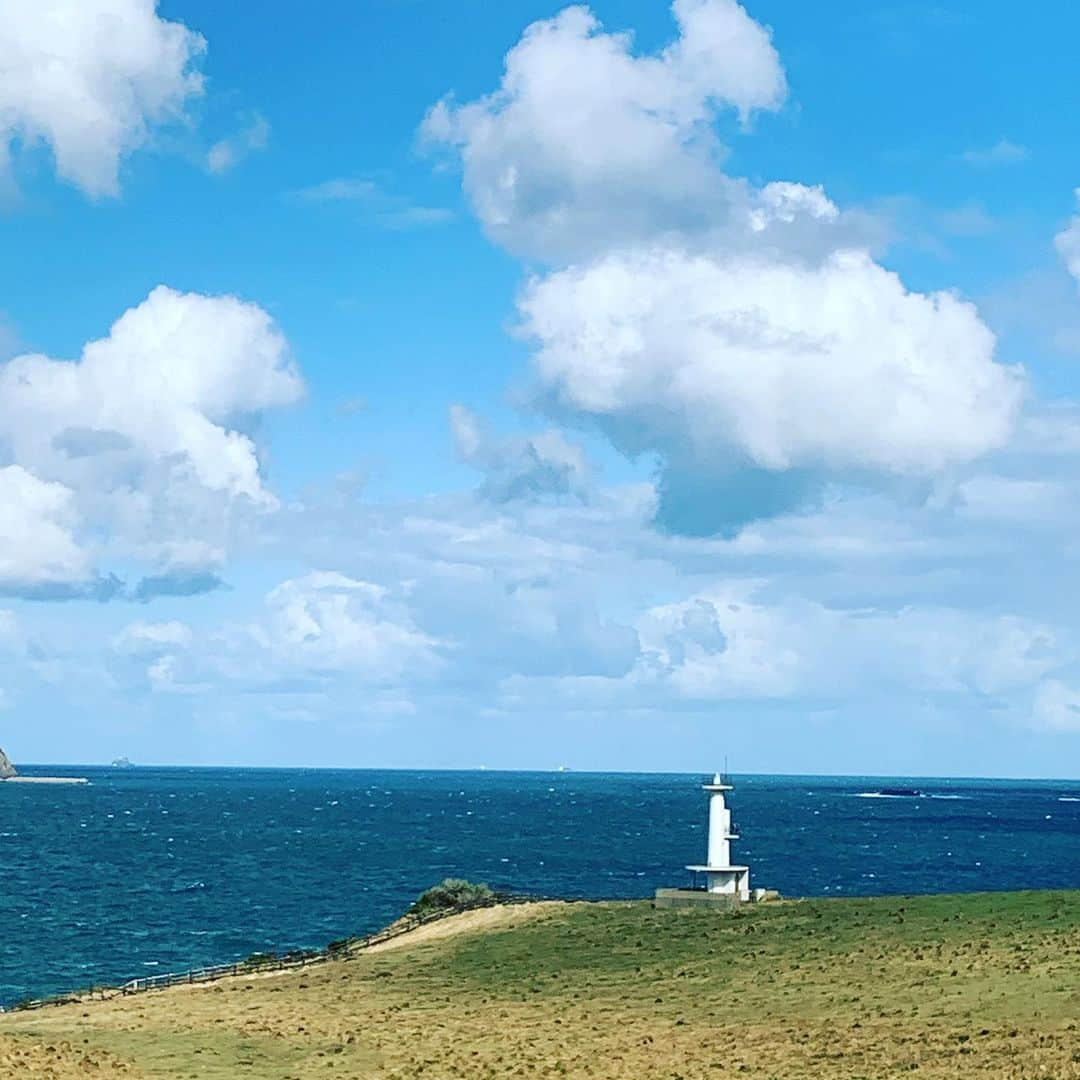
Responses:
[145,871]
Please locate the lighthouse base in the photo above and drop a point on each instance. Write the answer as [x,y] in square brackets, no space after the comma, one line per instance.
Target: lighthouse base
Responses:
[695,898]
[724,880]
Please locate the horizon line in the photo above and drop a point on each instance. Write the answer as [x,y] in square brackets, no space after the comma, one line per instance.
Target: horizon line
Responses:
[555,771]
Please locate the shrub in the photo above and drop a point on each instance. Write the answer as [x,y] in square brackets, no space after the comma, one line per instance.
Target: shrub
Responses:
[450,895]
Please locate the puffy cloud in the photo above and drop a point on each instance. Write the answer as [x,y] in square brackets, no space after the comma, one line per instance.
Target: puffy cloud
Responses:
[531,467]
[1057,707]
[146,639]
[719,364]
[39,554]
[90,79]
[154,655]
[585,142]
[145,429]
[729,642]
[720,646]
[1067,243]
[329,622]
[320,631]
[140,443]
[226,153]
[785,203]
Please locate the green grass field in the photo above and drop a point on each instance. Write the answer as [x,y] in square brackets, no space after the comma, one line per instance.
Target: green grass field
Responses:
[985,985]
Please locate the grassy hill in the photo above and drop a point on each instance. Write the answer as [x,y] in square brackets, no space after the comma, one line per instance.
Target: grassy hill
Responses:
[952,986]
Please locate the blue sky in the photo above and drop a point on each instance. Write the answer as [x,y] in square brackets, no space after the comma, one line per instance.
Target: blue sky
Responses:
[631,387]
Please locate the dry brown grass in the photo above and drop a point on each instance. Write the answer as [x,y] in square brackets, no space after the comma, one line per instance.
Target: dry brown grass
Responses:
[984,986]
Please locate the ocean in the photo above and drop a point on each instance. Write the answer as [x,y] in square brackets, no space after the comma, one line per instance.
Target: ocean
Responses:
[145,871]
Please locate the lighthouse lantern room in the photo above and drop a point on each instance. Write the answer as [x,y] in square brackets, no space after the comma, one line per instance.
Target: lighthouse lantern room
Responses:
[720,875]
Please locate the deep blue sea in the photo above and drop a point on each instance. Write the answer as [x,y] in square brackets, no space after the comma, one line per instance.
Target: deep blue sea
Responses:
[145,871]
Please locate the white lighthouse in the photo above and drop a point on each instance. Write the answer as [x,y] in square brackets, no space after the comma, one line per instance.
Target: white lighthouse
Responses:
[720,875]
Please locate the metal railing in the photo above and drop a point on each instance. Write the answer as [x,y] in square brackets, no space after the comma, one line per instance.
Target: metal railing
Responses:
[219,971]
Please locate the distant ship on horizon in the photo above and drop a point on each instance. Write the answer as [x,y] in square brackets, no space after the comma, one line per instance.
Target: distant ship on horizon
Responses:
[122,763]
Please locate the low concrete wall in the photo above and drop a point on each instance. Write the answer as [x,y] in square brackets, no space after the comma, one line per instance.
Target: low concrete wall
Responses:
[685,898]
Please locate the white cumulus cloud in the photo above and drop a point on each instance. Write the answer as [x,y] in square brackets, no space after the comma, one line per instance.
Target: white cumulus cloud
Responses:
[38,546]
[585,141]
[310,633]
[146,430]
[329,622]
[152,639]
[1057,707]
[718,363]
[166,385]
[530,467]
[728,642]
[90,79]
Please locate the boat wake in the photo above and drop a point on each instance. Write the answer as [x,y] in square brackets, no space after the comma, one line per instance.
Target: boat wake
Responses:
[192,886]
[906,793]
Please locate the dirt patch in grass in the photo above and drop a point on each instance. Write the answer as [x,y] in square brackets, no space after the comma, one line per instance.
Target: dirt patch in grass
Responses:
[499,917]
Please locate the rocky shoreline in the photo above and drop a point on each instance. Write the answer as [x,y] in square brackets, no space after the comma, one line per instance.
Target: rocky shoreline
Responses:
[10,775]
[45,780]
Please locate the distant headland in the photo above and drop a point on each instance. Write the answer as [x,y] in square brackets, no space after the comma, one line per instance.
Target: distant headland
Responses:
[10,775]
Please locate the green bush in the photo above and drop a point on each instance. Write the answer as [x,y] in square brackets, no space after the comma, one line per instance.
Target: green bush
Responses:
[451,895]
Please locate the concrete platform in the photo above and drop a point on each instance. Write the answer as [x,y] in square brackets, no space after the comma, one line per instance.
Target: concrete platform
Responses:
[686,898]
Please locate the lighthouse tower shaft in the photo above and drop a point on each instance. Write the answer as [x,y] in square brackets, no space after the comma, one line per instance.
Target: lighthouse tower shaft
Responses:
[719,831]
[721,876]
